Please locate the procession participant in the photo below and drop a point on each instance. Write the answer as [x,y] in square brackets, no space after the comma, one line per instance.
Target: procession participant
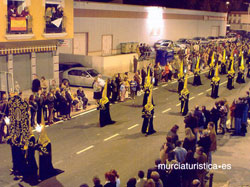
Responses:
[147,88]
[31,174]
[46,169]
[105,118]
[241,77]
[248,65]
[184,97]
[231,75]
[148,115]
[18,134]
[197,77]
[180,78]
[215,84]
[211,67]
[223,64]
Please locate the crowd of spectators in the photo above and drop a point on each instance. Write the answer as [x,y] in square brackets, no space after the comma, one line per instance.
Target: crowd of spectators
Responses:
[202,126]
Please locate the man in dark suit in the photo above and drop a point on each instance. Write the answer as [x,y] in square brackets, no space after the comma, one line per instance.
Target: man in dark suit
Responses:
[162,172]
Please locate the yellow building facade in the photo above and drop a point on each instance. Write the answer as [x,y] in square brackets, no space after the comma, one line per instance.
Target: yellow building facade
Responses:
[30,33]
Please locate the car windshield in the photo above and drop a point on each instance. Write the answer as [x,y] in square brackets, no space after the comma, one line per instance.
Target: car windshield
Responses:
[93,72]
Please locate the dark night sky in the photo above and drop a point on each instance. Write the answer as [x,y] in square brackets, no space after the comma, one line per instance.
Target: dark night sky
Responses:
[210,5]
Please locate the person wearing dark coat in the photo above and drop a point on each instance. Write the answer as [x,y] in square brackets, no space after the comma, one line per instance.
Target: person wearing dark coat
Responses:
[197,71]
[31,173]
[46,169]
[162,173]
[39,101]
[82,96]
[63,105]
[215,83]
[205,141]
[215,116]
[184,98]
[36,85]
[191,122]
[105,118]
[207,116]
[143,76]
[148,115]
[114,90]
[241,77]
[33,109]
[69,103]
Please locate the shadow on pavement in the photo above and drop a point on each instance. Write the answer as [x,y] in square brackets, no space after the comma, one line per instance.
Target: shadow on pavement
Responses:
[140,135]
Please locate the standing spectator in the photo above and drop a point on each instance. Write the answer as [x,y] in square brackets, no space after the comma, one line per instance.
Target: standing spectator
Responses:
[131,182]
[201,158]
[198,114]
[97,90]
[137,78]
[133,88]
[173,134]
[53,85]
[215,115]
[44,84]
[180,152]
[232,119]
[207,115]
[223,117]
[50,103]
[150,183]
[165,73]
[33,109]
[188,175]
[135,60]
[118,82]
[156,177]
[114,87]
[205,141]
[213,146]
[238,116]
[39,101]
[191,122]
[143,75]
[64,105]
[97,182]
[161,172]
[189,141]
[117,179]
[141,181]
[122,91]
[157,73]
[110,180]
[69,103]
[35,84]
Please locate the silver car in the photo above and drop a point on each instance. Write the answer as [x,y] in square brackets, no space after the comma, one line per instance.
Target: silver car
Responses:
[80,76]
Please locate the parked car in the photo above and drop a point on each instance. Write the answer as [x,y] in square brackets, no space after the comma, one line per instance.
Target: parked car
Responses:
[204,41]
[195,39]
[211,39]
[183,42]
[81,76]
[163,43]
[63,66]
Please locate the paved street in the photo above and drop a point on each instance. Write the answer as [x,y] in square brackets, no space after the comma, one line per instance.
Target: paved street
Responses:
[82,149]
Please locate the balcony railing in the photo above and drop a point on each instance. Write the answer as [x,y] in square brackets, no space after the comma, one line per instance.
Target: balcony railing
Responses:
[55,26]
[19,25]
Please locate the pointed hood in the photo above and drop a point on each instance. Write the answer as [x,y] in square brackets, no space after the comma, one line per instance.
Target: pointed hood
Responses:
[224,56]
[43,138]
[181,74]
[232,54]
[212,61]
[197,68]
[231,71]
[149,106]
[185,91]
[242,63]
[216,77]
[104,98]
[148,81]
